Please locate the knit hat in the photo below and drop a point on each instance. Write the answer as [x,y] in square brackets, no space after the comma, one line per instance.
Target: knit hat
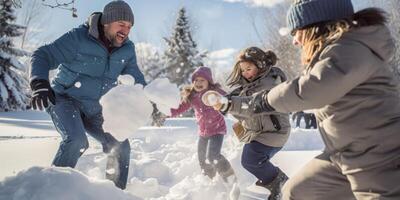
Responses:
[262,59]
[306,12]
[115,11]
[203,72]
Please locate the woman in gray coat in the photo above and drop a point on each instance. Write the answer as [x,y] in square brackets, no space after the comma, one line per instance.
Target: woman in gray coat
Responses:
[355,98]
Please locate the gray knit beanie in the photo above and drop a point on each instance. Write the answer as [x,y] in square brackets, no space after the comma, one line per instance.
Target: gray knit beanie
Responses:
[306,12]
[115,11]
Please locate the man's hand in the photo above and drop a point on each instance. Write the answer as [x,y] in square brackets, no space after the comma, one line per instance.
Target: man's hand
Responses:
[41,94]
[260,104]
[158,118]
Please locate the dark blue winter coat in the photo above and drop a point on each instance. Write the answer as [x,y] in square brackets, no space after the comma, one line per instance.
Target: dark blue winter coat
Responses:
[85,68]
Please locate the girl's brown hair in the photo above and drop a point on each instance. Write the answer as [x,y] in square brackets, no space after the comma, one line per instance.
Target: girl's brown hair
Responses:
[262,59]
[316,36]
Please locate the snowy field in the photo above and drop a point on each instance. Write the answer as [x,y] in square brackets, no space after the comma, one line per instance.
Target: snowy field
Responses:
[163,163]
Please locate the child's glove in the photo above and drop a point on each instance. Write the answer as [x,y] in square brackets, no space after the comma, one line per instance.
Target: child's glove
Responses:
[238,129]
[260,104]
[223,107]
[42,94]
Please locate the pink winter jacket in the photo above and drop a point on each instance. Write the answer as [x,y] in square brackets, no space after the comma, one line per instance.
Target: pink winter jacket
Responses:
[210,121]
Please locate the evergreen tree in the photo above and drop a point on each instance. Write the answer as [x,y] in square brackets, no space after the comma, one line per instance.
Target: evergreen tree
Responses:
[152,67]
[13,85]
[149,61]
[181,56]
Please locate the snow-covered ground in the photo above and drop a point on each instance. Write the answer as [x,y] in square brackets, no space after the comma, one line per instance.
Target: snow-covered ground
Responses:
[163,163]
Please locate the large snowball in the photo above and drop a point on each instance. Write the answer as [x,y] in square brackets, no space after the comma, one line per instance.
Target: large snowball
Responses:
[125,109]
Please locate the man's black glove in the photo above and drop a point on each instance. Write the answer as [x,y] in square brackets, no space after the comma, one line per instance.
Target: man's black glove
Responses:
[260,104]
[41,94]
[158,118]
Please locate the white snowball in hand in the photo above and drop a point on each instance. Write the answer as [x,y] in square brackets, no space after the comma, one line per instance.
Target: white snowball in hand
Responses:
[213,99]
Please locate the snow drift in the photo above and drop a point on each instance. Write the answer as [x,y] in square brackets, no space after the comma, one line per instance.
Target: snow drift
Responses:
[39,183]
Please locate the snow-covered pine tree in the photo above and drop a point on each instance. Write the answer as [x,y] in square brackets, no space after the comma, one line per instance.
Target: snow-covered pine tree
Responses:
[13,85]
[152,67]
[181,56]
[149,61]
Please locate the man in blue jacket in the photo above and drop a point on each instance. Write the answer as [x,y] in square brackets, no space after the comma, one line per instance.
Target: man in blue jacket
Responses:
[88,60]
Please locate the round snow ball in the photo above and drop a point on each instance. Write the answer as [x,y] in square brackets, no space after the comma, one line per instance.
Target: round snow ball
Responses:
[78,84]
[213,99]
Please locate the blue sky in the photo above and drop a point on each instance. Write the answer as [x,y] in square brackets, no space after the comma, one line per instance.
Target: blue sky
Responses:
[217,24]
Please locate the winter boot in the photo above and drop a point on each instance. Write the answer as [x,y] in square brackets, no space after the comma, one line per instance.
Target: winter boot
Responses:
[227,174]
[275,187]
[224,169]
[109,143]
[208,170]
[118,164]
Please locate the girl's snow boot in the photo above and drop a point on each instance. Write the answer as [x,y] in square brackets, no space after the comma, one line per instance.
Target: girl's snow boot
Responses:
[208,170]
[275,187]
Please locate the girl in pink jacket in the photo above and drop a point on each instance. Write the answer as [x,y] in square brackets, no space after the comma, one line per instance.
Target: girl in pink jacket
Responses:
[212,127]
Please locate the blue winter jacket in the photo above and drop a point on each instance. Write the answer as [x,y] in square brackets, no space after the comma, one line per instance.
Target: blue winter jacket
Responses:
[85,68]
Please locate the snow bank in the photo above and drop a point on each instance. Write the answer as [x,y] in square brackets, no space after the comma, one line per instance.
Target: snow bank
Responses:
[39,183]
[163,165]
[26,124]
[197,188]
[304,139]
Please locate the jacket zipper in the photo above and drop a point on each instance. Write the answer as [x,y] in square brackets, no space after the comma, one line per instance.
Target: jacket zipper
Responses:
[108,60]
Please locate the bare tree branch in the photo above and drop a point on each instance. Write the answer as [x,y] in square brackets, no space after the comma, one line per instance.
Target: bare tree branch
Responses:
[17,3]
[69,5]
[281,44]
[60,5]
[32,16]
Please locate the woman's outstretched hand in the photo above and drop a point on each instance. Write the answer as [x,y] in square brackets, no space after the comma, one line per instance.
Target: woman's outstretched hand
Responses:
[259,103]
